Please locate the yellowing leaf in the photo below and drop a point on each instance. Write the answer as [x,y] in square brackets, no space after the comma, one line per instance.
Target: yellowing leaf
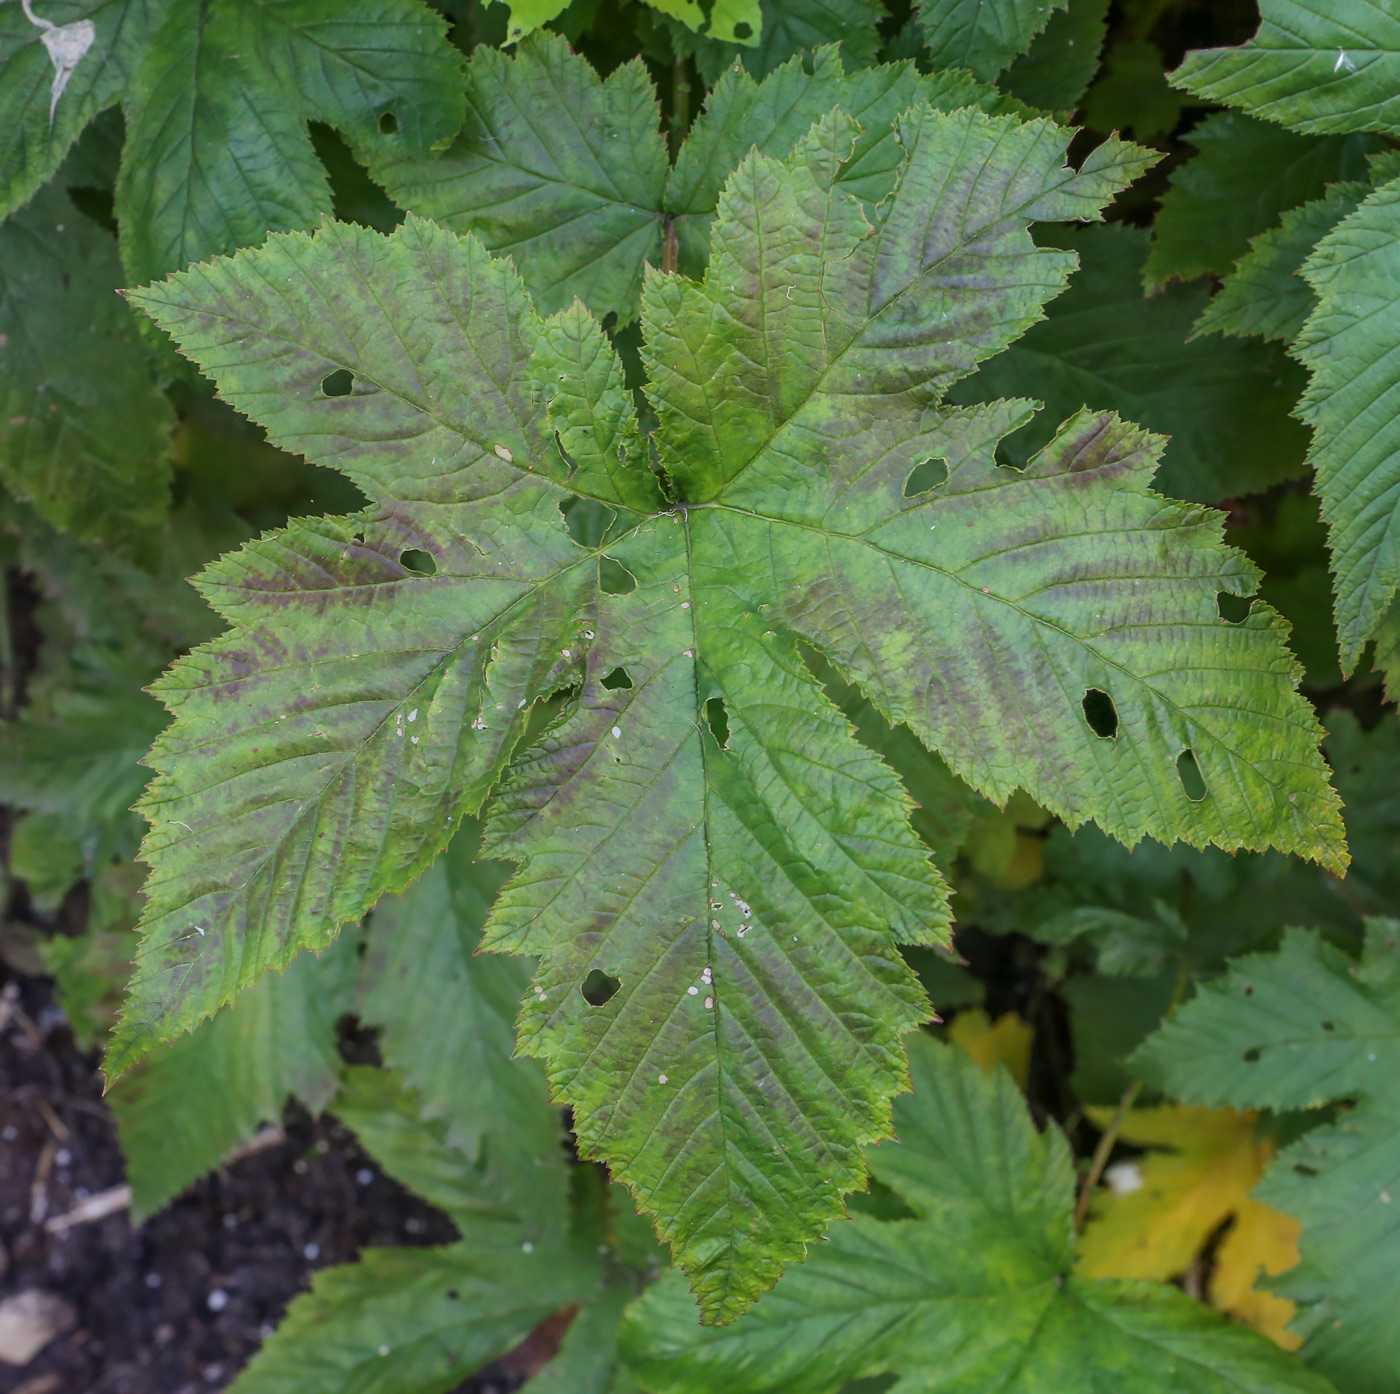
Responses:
[1261,1237]
[1005,1041]
[1157,1219]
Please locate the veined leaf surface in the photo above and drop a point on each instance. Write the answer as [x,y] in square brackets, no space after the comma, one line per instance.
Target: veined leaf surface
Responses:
[1295,1029]
[714,872]
[974,1293]
[1351,344]
[1318,66]
[585,198]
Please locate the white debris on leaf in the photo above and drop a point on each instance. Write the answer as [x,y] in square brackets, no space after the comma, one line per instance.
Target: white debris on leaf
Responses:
[67,45]
[1344,60]
[1124,1178]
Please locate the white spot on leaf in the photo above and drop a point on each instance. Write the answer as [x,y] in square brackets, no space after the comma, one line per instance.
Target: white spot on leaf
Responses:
[67,45]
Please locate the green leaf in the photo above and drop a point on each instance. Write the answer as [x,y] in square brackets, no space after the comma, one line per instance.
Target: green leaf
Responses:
[772,116]
[1320,66]
[1061,62]
[1132,95]
[416,1320]
[1352,402]
[973,1294]
[37,131]
[84,427]
[1266,293]
[944,806]
[723,21]
[394,1127]
[588,1360]
[563,170]
[706,851]
[1387,654]
[983,35]
[1366,767]
[197,1098]
[445,1016]
[1247,174]
[217,150]
[421,1320]
[83,768]
[1224,405]
[792,27]
[1294,1029]
[584,198]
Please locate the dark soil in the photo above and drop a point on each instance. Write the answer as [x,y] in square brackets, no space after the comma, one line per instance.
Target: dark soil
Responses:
[179,1304]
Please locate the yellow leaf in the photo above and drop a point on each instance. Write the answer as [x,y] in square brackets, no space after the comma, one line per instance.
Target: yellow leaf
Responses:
[1156,1214]
[1006,1041]
[1260,1238]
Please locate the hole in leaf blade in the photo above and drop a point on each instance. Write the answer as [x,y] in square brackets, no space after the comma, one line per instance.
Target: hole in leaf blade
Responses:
[388,124]
[1234,609]
[419,562]
[587,520]
[926,476]
[615,578]
[1189,773]
[1100,713]
[338,384]
[717,718]
[618,678]
[1251,1056]
[743,30]
[599,987]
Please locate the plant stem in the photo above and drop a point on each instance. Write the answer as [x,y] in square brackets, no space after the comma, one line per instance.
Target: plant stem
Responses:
[1101,1155]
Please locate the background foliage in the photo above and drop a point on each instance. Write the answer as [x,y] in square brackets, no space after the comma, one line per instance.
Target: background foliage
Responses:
[1155,1144]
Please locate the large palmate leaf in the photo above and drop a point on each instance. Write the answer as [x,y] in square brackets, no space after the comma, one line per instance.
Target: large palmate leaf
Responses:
[1315,65]
[569,173]
[1294,1029]
[974,1293]
[715,873]
[1102,344]
[1353,405]
[1247,174]
[84,427]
